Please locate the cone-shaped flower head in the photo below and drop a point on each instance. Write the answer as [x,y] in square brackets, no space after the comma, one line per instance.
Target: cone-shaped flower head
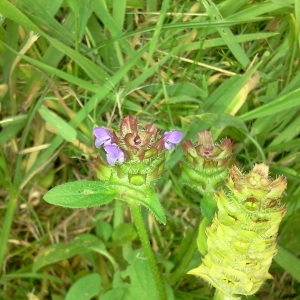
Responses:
[241,240]
[135,157]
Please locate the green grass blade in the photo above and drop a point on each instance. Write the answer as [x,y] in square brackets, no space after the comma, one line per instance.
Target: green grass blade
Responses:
[66,131]
[227,35]
[158,28]
[283,103]
[288,262]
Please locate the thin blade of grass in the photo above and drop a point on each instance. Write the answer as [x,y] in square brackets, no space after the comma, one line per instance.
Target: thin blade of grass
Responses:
[283,103]
[66,131]
[227,35]
[93,70]
[288,262]
[156,34]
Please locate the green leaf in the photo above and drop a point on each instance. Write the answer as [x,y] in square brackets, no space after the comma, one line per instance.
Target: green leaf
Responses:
[13,126]
[85,288]
[93,243]
[80,194]
[123,233]
[226,34]
[103,230]
[139,275]
[81,244]
[221,121]
[62,127]
[56,253]
[288,262]
[282,103]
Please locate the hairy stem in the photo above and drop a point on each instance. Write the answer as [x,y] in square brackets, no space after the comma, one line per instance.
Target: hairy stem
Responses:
[144,238]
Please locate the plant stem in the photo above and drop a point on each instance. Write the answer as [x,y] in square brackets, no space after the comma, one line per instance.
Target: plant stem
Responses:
[144,238]
[219,295]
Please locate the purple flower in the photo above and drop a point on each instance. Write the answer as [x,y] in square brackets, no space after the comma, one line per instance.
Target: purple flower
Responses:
[103,136]
[171,138]
[114,154]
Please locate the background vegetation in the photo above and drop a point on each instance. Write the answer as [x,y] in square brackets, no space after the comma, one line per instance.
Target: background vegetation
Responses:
[68,65]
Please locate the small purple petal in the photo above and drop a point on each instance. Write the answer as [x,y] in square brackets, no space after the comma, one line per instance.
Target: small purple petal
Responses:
[171,138]
[103,136]
[114,154]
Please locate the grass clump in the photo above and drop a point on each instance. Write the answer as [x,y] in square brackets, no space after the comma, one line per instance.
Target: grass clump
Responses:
[67,66]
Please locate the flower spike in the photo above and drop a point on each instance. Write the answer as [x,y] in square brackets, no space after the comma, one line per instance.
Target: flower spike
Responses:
[241,240]
[135,159]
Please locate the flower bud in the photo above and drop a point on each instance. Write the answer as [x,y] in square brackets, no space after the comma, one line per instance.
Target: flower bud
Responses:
[205,168]
[206,163]
[241,241]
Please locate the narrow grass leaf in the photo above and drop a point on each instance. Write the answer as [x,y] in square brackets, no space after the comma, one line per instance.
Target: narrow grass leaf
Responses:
[288,262]
[119,12]
[55,71]
[227,35]
[11,12]
[288,133]
[11,126]
[221,121]
[225,97]
[92,70]
[158,28]
[62,127]
[297,15]
[218,42]
[285,102]
[31,275]
[258,9]
[82,11]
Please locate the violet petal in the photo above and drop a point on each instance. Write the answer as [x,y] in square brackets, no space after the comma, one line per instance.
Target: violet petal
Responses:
[103,136]
[171,138]
[114,154]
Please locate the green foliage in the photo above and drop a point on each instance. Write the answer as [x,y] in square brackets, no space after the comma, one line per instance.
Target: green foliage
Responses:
[139,286]
[85,288]
[82,244]
[67,66]
[66,131]
[80,194]
[241,240]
